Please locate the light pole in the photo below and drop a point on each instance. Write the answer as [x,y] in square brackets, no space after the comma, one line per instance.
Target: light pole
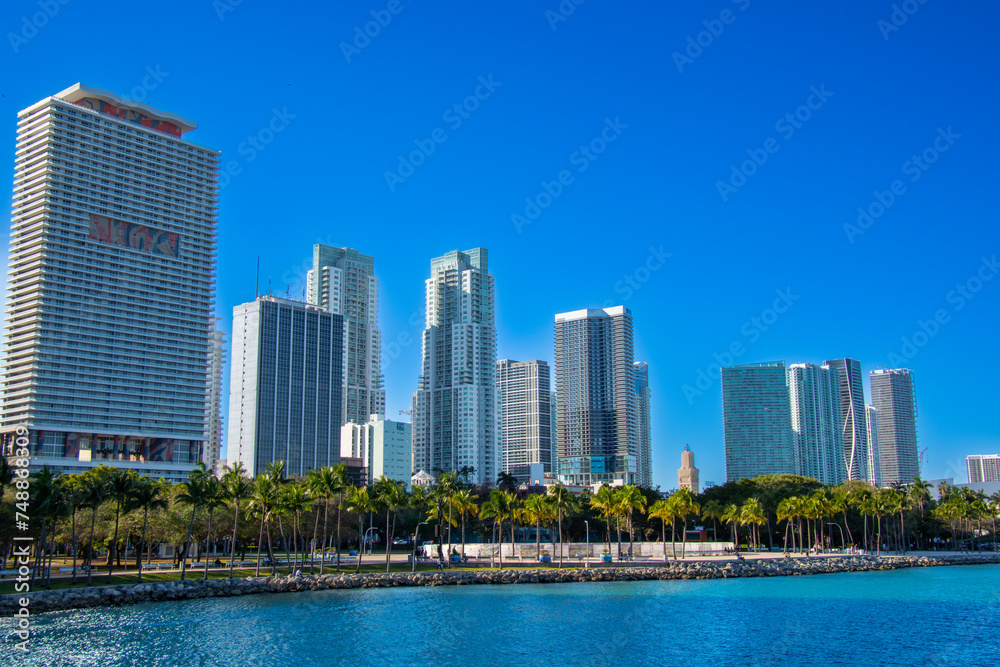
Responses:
[416,535]
[366,540]
[586,561]
[841,533]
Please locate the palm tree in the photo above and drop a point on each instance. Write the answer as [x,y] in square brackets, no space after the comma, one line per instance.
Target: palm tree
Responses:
[392,495]
[537,510]
[360,503]
[6,475]
[506,482]
[686,506]
[752,514]
[120,485]
[500,506]
[72,499]
[238,488]
[45,499]
[148,495]
[215,497]
[444,489]
[93,488]
[464,502]
[262,503]
[326,483]
[563,502]
[713,510]
[785,512]
[630,500]
[666,510]
[604,501]
[193,495]
[732,516]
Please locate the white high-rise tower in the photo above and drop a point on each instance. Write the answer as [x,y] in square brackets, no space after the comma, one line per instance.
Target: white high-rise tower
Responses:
[343,281]
[814,407]
[110,286]
[456,410]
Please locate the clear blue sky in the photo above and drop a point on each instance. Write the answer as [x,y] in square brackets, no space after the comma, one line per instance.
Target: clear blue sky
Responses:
[885,95]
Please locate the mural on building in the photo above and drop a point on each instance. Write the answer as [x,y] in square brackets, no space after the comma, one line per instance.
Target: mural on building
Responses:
[129,115]
[134,237]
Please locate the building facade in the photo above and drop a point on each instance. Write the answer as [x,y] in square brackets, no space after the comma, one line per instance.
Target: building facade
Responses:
[383,446]
[854,428]
[525,417]
[983,468]
[874,457]
[687,474]
[595,383]
[217,360]
[111,276]
[894,397]
[456,410]
[343,281]
[285,386]
[815,411]
[756,420]
[644,433]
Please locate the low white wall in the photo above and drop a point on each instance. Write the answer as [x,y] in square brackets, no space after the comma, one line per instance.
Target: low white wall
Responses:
[575,550]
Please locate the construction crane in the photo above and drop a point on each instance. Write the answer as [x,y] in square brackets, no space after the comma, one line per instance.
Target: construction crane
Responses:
[406,412]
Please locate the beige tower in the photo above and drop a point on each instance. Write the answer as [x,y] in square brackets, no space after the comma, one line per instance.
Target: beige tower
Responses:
[687,474]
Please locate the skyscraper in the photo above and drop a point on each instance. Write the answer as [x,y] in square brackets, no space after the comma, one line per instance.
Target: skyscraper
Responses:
[525,414]
[595,383]
[814,407]
[554,431]
[687,474]
[854,429]
[456,411]
[644,433]
[874,457]
[756,420]
[284,396]
[217,359]
[983,468]
[894,397]
[111,281]
[343,281]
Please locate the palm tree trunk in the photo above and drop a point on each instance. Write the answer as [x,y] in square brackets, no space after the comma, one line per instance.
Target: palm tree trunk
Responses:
[90,550]
[114,543]
[312,561]
[186,544]
[232,554]
[388,540]
[561,539]
[361,543]
[673,538]
[208,541]
[260,539]
[74,545]
[500,552]
[145,520]
[684,539]
[338,536]
[850,537]
[322,554]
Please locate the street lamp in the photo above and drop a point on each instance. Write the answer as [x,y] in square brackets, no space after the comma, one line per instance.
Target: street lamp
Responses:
[416,535]
[842,541]
[370,544]
[586,562]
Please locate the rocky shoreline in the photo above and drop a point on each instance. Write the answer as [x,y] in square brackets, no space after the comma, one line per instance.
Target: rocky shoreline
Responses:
[76,598]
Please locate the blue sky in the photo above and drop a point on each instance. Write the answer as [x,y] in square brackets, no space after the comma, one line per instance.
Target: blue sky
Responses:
[823,108]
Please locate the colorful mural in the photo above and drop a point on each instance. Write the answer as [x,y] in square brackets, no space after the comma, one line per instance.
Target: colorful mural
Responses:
[129,115]
[161,449]
[134,237]
[72,448]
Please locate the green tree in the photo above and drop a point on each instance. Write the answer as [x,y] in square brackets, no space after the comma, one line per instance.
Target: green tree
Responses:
[501,506]
[120,485]
[604,501]
[630,501]
[391,494]
[360,502]
[564,503]
[464,502]
[93,490]
[215,497]
[537,510]
[193,494]
[238,488]
[148,495]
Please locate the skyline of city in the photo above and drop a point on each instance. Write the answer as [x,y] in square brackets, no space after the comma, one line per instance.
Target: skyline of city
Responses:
[644,224]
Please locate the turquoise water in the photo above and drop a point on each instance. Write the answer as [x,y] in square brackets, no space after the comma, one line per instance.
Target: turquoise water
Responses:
[926,616]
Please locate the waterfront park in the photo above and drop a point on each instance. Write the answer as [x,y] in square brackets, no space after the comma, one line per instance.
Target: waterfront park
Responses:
[110,526]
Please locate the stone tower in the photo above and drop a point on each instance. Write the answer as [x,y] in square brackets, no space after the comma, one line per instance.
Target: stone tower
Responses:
[687,474]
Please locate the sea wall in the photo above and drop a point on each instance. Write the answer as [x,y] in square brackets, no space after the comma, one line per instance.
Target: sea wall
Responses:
[74,598]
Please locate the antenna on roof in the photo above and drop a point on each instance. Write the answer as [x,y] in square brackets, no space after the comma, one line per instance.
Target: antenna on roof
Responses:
[256,282]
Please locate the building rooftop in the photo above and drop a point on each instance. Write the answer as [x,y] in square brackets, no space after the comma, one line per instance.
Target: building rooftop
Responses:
[78,91]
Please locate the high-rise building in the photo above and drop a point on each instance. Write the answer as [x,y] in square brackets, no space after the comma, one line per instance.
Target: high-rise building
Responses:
[383,446]
[554,431]
[343,281]
[525,414]
[216,361]
[687,474]
[456,411]
[983,468]
[894,397]
[814,408]
[111,277]
[595,383]
[756,420]
[874,457]
[285,381]
[854,429]
[644,434]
